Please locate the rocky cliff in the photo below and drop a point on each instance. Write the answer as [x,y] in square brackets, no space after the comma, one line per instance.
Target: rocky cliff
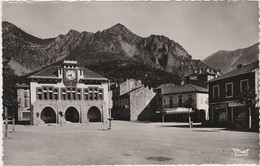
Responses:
[114,44]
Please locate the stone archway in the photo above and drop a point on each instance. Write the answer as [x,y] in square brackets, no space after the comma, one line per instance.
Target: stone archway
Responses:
[94,114]
[48,115]
[72,115]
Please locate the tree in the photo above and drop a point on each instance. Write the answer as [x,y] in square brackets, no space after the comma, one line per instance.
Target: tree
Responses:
[248,98]
[189,103]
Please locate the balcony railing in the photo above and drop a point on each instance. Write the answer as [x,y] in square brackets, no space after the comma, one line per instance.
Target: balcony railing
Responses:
[172,105]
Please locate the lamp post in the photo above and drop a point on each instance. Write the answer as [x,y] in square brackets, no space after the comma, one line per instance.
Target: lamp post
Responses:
[109,110]
[190,124]
[6,122]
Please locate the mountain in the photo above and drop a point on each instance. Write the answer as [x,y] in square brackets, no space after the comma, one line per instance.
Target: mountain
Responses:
[114,44]
[228,60]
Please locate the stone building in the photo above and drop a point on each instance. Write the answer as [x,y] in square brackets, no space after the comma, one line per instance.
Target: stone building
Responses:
[62,94]
[132,101]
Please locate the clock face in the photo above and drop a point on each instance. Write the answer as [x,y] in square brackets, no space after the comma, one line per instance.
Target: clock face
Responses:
[71,75]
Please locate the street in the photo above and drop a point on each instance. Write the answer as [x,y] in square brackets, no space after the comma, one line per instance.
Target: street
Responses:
[127,143]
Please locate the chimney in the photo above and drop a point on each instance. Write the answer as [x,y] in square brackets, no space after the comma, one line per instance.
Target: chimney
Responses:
[239,66]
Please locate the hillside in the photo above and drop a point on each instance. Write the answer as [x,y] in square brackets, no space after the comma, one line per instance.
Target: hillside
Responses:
[113,44]
[228,60]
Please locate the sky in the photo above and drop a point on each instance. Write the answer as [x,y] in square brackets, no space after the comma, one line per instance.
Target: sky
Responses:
[202,28]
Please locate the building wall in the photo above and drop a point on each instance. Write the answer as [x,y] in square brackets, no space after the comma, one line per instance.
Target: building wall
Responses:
[166,99]
[228,109]
[202,103]
[129,85]
[23,96]
[236,86]
[257,86]
[139,100]
[61,105]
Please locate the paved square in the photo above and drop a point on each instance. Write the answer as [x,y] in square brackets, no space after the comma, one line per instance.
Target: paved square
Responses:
[127,143]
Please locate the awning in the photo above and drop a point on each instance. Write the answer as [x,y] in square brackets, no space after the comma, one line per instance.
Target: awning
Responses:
[178,110]
[236,104]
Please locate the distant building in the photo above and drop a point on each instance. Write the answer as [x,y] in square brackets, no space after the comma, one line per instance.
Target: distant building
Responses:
[200,76]
[224,105]
[132,101]
[66,93]
[176,99]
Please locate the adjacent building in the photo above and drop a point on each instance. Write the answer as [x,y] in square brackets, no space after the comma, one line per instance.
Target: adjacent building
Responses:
[200,76]
[132,101]
[177,101]
[62,94]
[224,105]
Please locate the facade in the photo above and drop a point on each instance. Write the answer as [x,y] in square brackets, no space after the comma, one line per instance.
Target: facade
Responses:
[62,94]
[132,101]
[175,99]
[200,76]
[224,105]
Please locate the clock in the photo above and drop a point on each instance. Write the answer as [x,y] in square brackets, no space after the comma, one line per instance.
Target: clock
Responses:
[70,75]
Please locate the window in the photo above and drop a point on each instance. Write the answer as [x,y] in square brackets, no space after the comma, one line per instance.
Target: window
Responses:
[243,85]
[171,102]
[50,91]
[95,93]
[78,94]
[45,93]
[229,90]
[216,93]
[100,94]
[86,94]
[73,93]
[56,93]
[39,93]
[26,99]
[90,93]
[180,101]
[68,94]
[63,94]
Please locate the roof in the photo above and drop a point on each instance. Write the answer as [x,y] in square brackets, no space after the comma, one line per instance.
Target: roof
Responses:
[202,72]
[130,91]
[166,86]
[243,70]
[90,74]
[23,85]
[185,89]
[52,72]
[178,110]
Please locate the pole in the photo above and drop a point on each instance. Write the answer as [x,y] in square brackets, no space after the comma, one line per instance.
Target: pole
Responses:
[13,123]
[109,110]
[162,117]
[6,122]
[250,118]
[189,118]
[60,119]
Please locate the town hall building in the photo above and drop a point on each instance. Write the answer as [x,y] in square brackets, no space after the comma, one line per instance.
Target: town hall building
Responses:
[64,94]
